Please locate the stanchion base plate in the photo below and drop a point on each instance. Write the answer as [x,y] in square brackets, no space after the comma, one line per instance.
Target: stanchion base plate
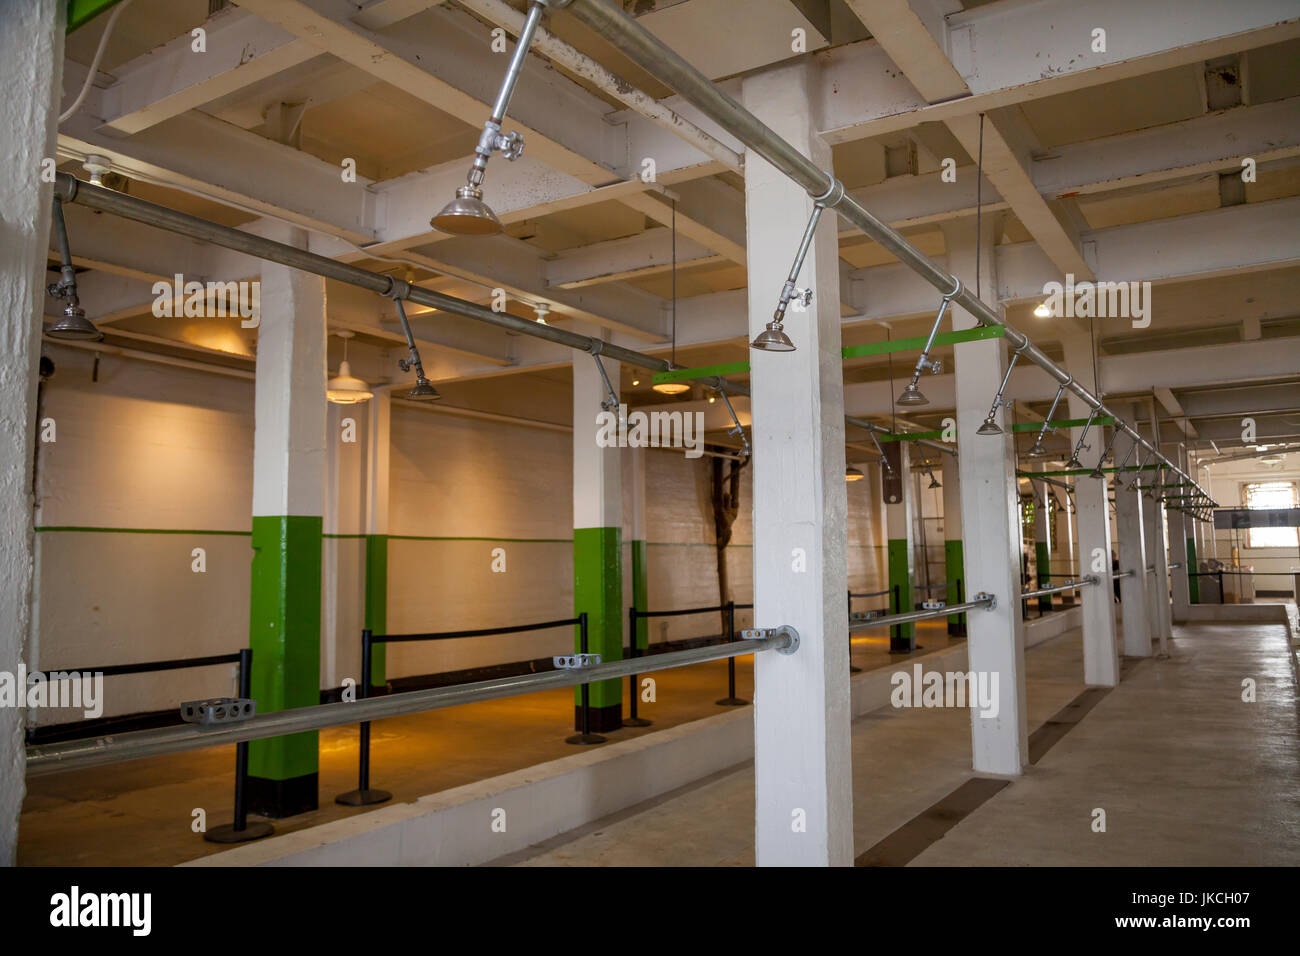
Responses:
[585,739]
[636,722]
[226,833]
[363,798]
[731,702]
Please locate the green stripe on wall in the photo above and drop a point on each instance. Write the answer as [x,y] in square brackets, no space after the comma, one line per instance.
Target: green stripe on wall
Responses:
[598,590]
[284,633]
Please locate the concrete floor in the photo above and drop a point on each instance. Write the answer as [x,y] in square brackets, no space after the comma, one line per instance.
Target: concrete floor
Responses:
[140,813]
[1187,773]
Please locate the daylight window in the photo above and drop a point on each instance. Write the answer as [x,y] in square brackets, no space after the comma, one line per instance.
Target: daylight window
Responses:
[1271,494]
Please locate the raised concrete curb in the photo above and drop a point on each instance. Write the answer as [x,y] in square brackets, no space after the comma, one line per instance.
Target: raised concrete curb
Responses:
[454,827]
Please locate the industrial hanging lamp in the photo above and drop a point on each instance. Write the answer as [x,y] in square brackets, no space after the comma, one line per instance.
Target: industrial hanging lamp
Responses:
[345,388]
[990,425]
[911,394]
[1114,433]
[773,338]
[468,214]
[929,470]
[72,325]
[673,388]
[423,391]
[853,474]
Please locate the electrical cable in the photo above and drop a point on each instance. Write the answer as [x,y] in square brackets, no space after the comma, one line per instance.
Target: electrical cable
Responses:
[94,64]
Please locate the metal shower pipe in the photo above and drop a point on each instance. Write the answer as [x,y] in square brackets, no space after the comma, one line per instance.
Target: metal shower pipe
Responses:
[69,189]
[663,63]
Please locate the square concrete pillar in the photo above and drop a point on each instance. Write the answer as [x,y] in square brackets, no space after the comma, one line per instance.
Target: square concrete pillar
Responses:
[1135,614]
[990,508]
[1092,526]
[31,73]
[802,772]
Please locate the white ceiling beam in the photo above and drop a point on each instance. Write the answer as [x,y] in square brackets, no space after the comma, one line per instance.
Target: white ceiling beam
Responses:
[1002,140]
[561,122]
[649,253]
[1011,52]
[221,162]
[1170,404]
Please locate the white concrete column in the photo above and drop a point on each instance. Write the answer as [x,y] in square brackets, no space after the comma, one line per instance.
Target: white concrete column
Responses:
[342,547]
[802,762]
[598,529]
[990,507]
[31,74]
[1135,617]
[1092,528]
[1153,512]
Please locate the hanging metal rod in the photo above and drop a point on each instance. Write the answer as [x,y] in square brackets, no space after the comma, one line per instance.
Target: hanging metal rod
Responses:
[663,63]
[1058,588]
[115,748]
[881,430]
[69,189]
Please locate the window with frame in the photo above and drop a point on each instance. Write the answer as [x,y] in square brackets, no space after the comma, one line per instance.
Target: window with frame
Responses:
[1270,494]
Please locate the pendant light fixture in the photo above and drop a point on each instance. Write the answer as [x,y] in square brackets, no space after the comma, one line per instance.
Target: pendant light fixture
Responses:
[853,474]
[673,388]
[344,388]
[423,390]
[912,394]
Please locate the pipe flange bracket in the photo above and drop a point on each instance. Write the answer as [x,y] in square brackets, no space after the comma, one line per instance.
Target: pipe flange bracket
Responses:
[832,196]
[398,288]
[762,633]
[218,710]
[956,289]
[985,596]
[575,662]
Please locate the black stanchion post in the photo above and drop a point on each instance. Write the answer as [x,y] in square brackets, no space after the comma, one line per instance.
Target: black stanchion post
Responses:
[853,669]
[363,796]
[241,830]
[731,700]
[1222,597]
[633,693]
[586,736]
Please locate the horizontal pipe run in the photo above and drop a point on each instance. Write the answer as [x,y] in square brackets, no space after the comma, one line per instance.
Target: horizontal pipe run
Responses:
[663,63]
[882,430]
[68,188]
[1057,589]
[889,620]
[100,751]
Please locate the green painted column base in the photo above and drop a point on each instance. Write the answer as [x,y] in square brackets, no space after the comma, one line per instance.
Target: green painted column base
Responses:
[284,634]
[598,590]
[376,609]
[902,637]
[954,571]
[1043,565]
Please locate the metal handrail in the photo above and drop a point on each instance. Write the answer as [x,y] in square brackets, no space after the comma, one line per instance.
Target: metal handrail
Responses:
[99,751]
[982,601]
[1057,589]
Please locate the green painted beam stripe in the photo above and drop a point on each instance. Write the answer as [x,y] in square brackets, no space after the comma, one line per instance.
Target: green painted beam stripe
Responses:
[706,371]
[422,537]
[918,343]
[1080,471]
[81,12]
[1062,423]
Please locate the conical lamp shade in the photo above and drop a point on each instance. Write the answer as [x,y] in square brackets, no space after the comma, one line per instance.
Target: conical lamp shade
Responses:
[345,389]
[74,326]
[467,215]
